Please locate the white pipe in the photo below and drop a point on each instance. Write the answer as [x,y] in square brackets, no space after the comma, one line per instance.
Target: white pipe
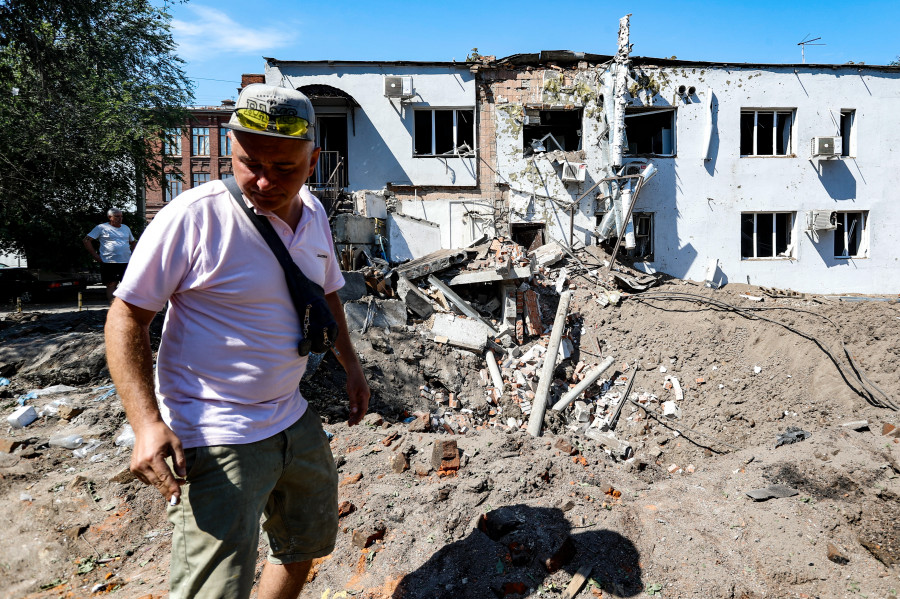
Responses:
[589,379]
[536,419]
[495,371]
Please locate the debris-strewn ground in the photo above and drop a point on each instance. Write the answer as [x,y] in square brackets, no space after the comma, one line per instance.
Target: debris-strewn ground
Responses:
[507,514]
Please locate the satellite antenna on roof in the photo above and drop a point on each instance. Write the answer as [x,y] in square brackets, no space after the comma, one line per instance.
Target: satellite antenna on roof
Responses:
[807,42]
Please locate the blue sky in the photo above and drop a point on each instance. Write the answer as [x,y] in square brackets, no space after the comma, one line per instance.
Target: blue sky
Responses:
[221,40]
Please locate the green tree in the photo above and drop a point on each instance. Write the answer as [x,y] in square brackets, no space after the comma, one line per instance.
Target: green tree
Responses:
[87,88]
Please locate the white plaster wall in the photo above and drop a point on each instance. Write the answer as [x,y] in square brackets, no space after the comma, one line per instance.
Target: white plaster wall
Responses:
[697,204]
[461,221]
[381,150]
[410,238]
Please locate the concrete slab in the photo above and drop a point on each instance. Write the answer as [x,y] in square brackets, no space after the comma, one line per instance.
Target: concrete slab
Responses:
[462,332]
[388,314]
[489,275]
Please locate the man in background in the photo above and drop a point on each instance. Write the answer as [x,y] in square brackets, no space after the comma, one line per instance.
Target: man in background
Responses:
[116,243]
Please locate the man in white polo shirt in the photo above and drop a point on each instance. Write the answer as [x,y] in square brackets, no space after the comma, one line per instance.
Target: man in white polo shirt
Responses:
[226,411]
[116,244]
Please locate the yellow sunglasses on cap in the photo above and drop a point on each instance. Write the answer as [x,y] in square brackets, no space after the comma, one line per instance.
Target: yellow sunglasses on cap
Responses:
[263,121]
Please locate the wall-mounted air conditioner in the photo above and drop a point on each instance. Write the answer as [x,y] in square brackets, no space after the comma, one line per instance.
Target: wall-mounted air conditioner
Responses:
[821,220]
[398,87]
[826,147]
[574,171]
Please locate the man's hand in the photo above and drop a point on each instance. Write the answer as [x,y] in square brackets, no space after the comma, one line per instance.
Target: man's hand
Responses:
[358,392]
[152,445]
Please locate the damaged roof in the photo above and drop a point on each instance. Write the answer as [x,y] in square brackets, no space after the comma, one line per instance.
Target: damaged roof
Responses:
[569,56]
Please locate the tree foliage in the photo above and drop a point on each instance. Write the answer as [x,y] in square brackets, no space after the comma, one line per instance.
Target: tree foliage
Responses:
[87,88]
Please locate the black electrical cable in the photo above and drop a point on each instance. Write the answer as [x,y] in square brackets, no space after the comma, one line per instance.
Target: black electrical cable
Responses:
[868,390]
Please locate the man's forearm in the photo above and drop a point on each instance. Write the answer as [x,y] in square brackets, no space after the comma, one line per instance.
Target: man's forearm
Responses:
[131,361]
[89,246]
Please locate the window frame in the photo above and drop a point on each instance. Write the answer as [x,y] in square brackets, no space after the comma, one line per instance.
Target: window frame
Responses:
[792,229]
[456,143]
[172,179]
[848,138]
[224,142]
[862,242]
[647,112]
[791,151]
[166,146]
[198,135]
[195,179]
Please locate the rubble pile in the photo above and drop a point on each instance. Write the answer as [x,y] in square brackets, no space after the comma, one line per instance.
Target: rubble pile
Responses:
[679,445]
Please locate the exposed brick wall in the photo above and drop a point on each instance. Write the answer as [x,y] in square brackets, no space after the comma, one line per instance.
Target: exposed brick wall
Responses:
[248,78]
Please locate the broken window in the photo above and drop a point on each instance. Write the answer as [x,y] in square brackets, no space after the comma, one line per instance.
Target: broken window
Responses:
[643,237]
[767,132]
[528,235]
[848,133]
[767,235]
[551,130]
[444,132]
[850,236]
[650,131]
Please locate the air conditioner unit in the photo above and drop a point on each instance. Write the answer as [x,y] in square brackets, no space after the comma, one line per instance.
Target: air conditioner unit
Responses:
[821,220]
[398,87]
[574,171]
[826,147]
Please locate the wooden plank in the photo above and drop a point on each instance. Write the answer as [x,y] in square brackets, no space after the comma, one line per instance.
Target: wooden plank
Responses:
[577,582]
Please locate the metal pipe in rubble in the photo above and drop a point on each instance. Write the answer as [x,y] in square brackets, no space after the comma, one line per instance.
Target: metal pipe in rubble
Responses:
[536,420]
[496,378]
[589,379]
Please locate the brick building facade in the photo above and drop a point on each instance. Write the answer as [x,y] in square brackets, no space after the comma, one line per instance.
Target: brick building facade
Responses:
[194,154]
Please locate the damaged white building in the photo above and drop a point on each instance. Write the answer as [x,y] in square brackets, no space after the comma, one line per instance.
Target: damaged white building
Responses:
[776,175]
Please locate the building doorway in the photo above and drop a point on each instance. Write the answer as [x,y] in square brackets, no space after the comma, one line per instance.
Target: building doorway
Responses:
[331,136]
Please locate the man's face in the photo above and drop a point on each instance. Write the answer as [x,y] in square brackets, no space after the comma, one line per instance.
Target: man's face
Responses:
[271,170]
[116,219]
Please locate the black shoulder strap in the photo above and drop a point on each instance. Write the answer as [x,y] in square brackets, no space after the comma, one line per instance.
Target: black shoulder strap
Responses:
[268,233]
[308,297]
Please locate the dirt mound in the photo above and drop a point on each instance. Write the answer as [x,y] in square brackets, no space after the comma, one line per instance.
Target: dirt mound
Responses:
[504,514]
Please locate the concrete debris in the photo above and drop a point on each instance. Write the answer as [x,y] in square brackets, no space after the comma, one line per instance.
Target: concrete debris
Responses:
[792,434]
[548,254]
[416,301]
[772,492]
[461,332]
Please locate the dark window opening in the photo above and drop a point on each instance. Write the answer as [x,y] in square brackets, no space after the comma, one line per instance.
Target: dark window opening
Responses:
[444,132]
[848,237]
[650,132]
[551,130]
[847,121]
[528,235]
[767,234]
[766,133]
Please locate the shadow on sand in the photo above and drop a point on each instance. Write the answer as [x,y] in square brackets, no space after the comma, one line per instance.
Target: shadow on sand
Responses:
[507,555]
